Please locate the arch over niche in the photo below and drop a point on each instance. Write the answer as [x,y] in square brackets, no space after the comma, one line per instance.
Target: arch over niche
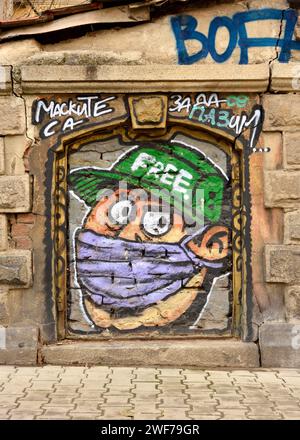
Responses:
[68,156]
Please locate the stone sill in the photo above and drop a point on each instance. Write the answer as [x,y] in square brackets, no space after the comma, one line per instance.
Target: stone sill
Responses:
[179,353]
[5,80]
[151,78]
[284,77]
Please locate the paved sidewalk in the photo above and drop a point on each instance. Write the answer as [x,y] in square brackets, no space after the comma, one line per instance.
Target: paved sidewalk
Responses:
[54,392]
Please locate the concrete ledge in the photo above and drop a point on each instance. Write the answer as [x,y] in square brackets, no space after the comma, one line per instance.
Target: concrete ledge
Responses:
[280,345]
[179,353]
[285,77]
[158,78]
[5,80]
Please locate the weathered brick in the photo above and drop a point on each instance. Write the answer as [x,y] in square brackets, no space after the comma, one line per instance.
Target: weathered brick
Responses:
[281,188]
[292,227]
[3,232]
[282,112]
[292,303]
[282,263]
[26,218]
[16,268]
[21,230]
[15,194]
[12,120]
[23,243]
[291,144]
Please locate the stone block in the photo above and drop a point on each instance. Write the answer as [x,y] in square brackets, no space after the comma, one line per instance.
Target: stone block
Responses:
[262,4]
[16,268]
[291,149]
[20,346]
[281,189]
[16,52]
[148,111]
[12,112]
[15,147]
[4,308]
[292,227]
[5,80]
[2,156]
[15,193]
[282,264]
[26,218]
[21,234]
[183,353]
[282,112]
[292,303]
[3,232]
[280,345]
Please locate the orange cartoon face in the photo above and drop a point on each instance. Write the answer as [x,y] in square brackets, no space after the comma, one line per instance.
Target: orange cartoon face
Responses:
[146,221]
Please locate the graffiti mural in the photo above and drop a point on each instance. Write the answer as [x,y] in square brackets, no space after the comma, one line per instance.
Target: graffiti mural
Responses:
[154,238]
[185,28]
[149,230]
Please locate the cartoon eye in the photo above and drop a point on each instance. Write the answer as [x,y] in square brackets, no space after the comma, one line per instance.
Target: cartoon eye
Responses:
[121,212]
[156,223]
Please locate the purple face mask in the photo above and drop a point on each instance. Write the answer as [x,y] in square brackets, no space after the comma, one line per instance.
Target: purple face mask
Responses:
[128,274]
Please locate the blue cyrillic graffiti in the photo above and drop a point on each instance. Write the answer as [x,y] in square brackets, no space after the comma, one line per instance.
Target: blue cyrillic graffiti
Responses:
[184,28]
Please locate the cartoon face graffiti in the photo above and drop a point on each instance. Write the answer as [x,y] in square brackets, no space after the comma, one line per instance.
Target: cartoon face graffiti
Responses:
[152,236]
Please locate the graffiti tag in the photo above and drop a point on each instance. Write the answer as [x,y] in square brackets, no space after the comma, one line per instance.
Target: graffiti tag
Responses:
[186,103]
[185,29]
[72,113]
[208,109]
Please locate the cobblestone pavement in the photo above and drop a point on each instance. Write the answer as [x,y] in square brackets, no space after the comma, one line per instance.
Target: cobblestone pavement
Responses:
[54,392]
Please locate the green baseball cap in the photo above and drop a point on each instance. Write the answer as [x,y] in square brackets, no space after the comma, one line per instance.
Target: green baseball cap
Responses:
[171,169]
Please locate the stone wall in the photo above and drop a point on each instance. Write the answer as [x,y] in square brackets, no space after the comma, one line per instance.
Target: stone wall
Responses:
[16,271]
[92,64]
